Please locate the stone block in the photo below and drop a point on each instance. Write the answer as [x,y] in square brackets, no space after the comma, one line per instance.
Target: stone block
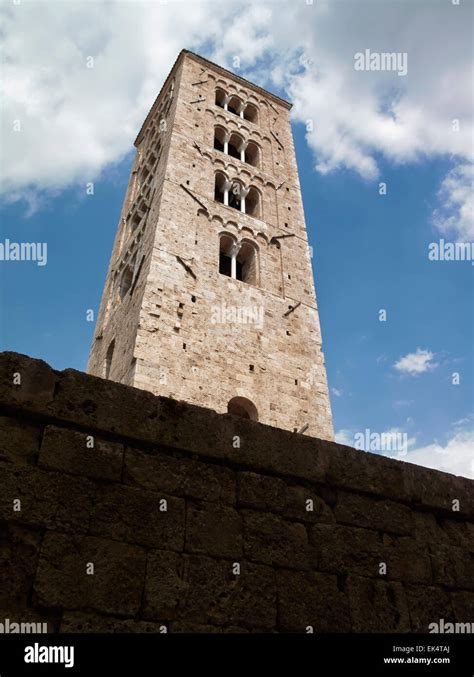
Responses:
[115,587]
[69,451]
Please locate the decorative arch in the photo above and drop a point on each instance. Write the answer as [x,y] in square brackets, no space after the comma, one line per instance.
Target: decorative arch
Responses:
[243,407]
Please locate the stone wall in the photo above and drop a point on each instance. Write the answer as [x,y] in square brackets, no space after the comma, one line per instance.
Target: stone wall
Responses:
[197,521]
[184,330]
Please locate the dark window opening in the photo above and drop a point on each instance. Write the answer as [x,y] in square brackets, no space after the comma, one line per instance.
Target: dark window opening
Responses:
[225,265]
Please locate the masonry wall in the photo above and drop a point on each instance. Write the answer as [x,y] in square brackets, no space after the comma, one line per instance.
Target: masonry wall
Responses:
[173,499]
[174,333]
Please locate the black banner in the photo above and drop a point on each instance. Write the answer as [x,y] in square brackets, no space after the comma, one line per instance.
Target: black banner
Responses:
[152,654]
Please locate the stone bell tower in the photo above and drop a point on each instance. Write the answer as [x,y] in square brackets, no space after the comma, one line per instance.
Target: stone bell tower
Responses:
[209,296]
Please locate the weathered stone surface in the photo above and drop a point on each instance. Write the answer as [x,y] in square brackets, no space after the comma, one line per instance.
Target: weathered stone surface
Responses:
[213,529]
[264,492]
[381,515]
[165,587]
[115,586]
[26,383]
[261,492]
[460,534]
[179,476]
[275,541]
[48,499]
[377,606]
[19,442]
[206,591]
[463,605]
[439,491]
[69,451]
[228,507]
[406,559]
[138,516]
[306,505]
[311,599]
[19,553]
[344,550]
[427,529]
[452,566]
[182,627]
[366,472]
[80,622]
[427,604]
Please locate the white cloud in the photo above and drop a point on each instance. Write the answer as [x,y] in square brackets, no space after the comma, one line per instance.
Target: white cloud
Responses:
[336,392]
[76,121]
[456,216]
[456,456]
[416,363]
[345,436]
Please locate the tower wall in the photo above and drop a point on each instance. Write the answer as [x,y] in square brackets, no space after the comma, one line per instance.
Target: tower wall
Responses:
[186,330]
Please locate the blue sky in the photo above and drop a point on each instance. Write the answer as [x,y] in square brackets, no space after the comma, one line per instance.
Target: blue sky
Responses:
[370,250]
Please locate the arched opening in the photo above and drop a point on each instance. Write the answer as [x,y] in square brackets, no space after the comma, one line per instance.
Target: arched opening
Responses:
[251,113]
[126,280]
[252,154]
[226,255]
[252,203]
[235,195]
[234,105]
[235,142]
[108,359]
[220,188]
[219,138]
[241,406]
[220,98]
[247,263]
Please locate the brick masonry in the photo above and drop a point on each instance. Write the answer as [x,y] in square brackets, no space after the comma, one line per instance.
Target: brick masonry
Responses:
[197,522]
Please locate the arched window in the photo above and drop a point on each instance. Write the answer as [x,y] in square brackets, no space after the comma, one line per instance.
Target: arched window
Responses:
[234,105]
[241,406]
[252,203]
[227,255]
[247,263]
[235,143]
[220,98]
[220,139]
[238,261]
[235,195]
[252,154]
[220,188]
[108,359]
[127,278]
[251,113]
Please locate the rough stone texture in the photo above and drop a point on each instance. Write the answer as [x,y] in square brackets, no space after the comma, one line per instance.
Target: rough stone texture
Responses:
[173,332]
[81,454]
[236,549]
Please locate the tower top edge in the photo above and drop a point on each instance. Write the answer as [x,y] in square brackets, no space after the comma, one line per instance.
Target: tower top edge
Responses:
[197,57]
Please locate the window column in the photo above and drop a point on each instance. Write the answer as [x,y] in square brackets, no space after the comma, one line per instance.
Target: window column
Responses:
[242,150]
[226,142]
[227,186]
[243,194]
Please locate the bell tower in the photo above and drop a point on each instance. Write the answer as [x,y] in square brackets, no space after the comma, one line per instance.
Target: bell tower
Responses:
[209,296]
